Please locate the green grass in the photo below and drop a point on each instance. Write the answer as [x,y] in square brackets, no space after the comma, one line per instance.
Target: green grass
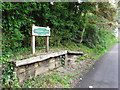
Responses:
[23,53]
[80,58]
[47,81]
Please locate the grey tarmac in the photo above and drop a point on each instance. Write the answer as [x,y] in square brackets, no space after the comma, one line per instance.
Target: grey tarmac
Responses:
[104,73]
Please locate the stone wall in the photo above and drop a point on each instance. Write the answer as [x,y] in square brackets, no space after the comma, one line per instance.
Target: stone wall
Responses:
[25,69]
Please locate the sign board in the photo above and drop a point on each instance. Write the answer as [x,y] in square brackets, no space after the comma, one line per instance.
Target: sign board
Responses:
[40,31]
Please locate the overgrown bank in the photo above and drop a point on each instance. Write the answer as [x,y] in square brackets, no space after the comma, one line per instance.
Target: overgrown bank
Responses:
[63,77]
[73,27]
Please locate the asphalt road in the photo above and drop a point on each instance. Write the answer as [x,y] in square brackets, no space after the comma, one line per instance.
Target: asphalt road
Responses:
[104,73]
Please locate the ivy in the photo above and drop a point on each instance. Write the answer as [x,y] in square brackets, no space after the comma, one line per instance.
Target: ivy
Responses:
[68,22]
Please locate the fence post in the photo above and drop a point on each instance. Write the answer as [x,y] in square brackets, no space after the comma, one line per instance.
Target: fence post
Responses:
[32,41]
[47,43]
[66,60]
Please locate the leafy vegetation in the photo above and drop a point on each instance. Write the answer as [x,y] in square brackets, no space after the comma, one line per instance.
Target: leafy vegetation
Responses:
[66,20]
[85,26]
[47,81]
[81,58]
[52,80]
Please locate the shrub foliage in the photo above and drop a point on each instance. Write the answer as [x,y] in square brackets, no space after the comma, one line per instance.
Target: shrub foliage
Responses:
[68,22]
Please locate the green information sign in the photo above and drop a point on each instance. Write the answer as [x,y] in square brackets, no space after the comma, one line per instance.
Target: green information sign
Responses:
[41,31]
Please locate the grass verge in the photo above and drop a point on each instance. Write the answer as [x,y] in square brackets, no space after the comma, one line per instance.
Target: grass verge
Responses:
[56,78]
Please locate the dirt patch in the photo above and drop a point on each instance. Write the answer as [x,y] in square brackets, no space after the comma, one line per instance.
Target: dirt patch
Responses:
[75,71]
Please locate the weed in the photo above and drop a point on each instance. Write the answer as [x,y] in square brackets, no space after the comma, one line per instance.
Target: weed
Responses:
[66,86]
[72,74]
[49,80]
[79,59]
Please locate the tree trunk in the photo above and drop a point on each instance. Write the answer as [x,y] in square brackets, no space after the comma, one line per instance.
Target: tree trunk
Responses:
[83,28]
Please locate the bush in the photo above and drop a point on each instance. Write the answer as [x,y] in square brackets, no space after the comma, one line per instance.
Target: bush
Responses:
[98,38]
[64,18]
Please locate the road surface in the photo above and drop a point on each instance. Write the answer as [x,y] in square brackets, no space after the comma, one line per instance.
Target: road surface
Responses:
[104,73]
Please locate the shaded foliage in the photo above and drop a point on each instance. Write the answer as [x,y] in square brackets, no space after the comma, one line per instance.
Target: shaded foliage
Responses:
[66,20]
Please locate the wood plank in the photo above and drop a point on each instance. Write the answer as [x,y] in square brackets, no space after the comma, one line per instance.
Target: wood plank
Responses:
[39,58]
[44,57]
[76,53]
